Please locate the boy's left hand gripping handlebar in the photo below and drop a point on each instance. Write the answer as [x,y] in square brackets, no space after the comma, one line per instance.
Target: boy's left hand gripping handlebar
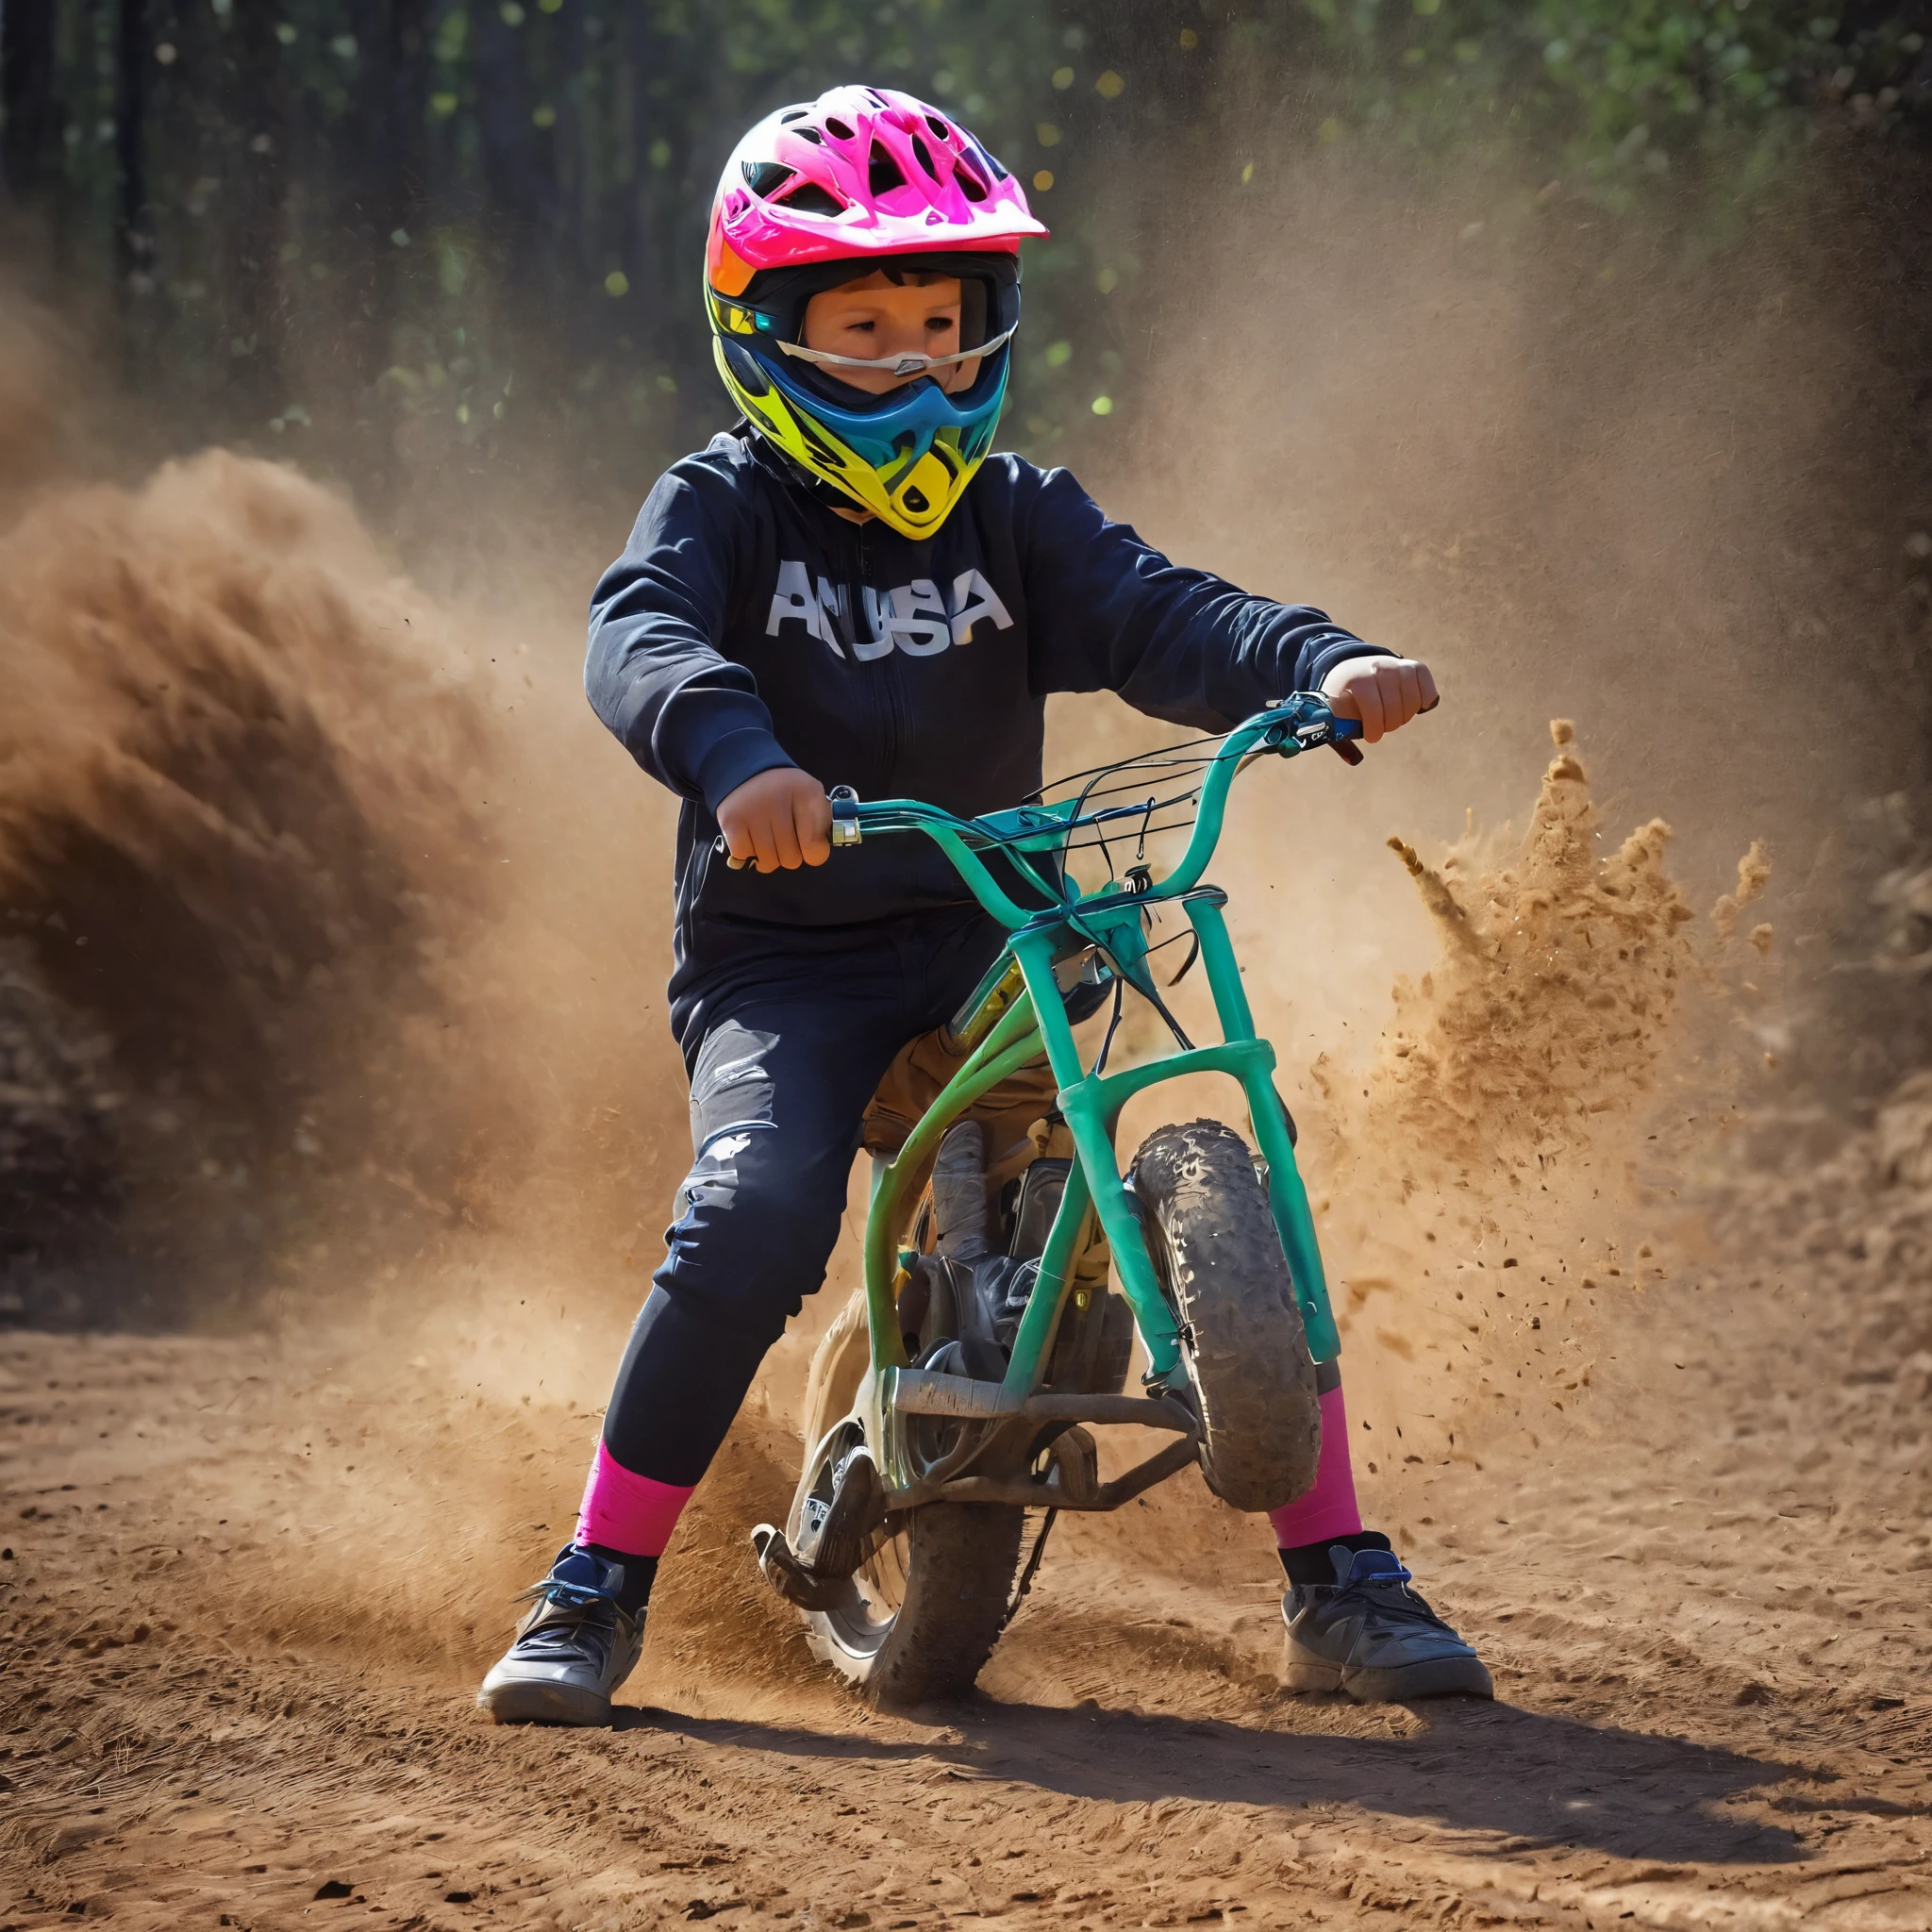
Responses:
[844,827]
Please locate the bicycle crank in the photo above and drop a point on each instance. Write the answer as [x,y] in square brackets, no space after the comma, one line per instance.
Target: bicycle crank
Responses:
[794,1581]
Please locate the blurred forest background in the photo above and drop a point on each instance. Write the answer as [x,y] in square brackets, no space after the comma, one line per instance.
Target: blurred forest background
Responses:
[366,230]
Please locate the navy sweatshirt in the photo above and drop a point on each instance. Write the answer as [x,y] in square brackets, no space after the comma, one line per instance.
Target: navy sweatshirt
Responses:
[747,626]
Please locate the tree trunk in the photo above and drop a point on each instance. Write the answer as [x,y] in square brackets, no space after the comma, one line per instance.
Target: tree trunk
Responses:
[32,134]
[133,230]
[518,170]
[408,59]
[255,313]
[385,180]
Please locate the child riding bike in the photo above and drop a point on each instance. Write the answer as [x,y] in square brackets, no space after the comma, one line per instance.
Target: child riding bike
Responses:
[848,589]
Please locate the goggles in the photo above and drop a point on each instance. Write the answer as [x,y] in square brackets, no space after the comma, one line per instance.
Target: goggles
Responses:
[909,364]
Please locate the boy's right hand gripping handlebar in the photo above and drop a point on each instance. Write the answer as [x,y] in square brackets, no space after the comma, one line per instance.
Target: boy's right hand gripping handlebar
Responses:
[845,830]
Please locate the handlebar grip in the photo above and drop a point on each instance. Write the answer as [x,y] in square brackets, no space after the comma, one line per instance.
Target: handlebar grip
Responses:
[845,803]
[1348,729]
[1343,734]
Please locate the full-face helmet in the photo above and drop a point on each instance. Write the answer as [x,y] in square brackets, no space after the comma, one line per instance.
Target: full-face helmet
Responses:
[822,195]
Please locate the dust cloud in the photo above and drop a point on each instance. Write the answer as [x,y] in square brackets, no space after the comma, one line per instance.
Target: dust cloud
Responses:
[1492,1179]
[312,973]
[1638,474]
[1634,472]
[329,1015]
[232,820]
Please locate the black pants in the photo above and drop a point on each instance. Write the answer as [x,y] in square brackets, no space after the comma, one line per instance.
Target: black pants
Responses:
[783,1060]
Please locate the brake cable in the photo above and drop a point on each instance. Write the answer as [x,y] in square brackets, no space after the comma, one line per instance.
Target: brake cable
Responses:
[1032,1570]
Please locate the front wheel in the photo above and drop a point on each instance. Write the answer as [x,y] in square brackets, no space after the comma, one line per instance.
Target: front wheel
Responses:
[1218,1255]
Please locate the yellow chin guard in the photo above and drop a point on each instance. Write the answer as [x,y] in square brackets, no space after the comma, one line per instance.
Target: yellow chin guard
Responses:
[913,496]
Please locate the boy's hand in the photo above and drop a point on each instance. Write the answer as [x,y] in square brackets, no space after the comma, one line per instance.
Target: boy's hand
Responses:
[1384,693]
[782,817]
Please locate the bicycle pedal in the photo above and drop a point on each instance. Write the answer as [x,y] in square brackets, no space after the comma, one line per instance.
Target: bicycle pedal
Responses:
[792,1579]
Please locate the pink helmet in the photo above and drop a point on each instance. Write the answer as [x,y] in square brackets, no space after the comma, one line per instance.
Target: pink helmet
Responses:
[861,170]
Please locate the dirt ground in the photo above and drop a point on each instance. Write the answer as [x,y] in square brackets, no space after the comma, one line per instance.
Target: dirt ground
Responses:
[250,1584]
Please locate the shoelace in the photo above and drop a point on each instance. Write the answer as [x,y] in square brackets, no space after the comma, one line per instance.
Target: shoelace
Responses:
[582,1634]
[1404,1605]
[566,1596]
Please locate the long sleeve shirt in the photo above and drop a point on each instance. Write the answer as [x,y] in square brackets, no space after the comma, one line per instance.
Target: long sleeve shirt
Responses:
[748,627]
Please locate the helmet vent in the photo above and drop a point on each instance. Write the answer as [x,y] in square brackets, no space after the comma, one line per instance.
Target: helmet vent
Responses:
[915,500]
[838,127]
[925,156]
[940,131]
[971,186]
[883,175]
[791,114]
[809,198]
[763,177]
[811,134]
[751,378]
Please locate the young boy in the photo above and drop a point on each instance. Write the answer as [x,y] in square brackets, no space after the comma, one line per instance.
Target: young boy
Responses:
[847,589]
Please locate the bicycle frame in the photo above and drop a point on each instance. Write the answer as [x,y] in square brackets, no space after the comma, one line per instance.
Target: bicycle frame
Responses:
[1017,1013]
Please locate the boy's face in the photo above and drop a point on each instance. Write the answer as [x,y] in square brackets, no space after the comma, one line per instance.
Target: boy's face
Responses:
[876,318]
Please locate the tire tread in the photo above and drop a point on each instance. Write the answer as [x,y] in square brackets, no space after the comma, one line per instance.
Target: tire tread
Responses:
[963,1557]
[1215,1245]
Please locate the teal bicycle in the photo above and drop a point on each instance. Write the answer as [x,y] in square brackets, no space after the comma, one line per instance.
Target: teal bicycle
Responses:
[960,1387]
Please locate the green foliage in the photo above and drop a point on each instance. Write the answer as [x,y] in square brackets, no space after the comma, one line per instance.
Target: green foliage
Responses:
[1626,86]
[441,223]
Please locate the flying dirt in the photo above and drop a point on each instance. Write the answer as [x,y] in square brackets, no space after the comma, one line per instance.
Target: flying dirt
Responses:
[232,823]
[336,1124]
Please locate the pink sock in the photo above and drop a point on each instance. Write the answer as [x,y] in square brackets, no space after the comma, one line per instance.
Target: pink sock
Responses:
[1329,1509]
[629,1512]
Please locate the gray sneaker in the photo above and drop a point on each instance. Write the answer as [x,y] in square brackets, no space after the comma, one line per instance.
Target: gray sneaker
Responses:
[573,1650]
[1372,1636]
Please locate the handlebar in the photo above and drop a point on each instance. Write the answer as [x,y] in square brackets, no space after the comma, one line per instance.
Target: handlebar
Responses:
[1294,724]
